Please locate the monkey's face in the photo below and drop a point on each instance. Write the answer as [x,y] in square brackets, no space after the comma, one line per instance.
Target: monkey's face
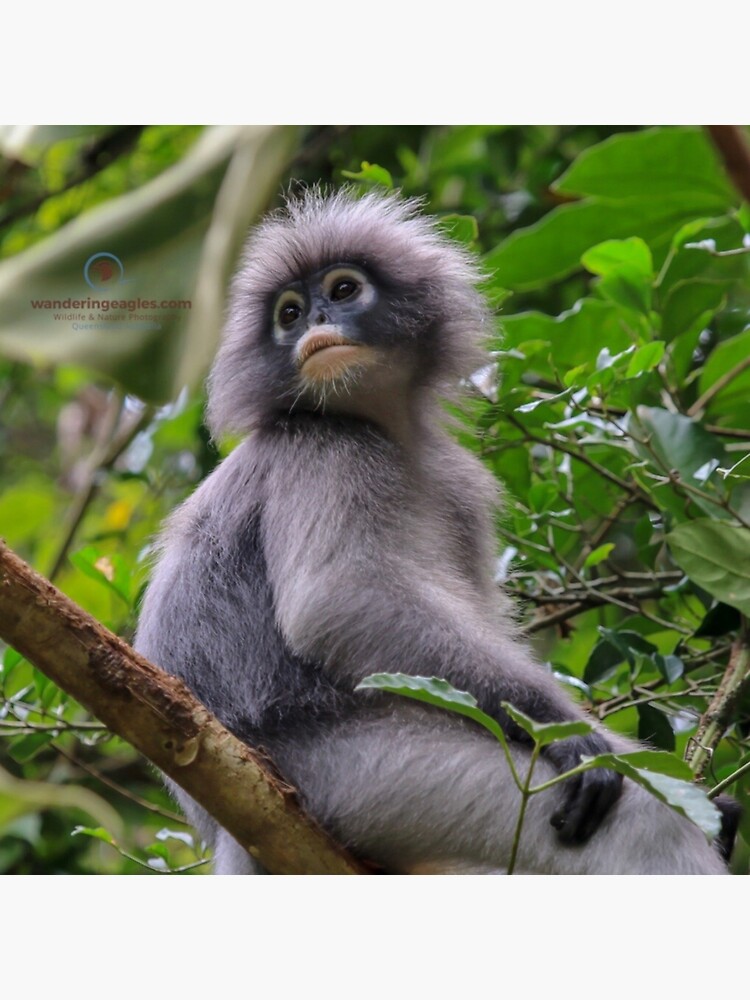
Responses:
[337,334]
[357,306]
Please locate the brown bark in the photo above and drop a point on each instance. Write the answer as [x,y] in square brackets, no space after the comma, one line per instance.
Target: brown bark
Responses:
[732,146]
[721,711]
[161,718]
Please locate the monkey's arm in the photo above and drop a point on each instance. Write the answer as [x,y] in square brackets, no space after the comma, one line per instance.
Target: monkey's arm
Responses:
[352,627]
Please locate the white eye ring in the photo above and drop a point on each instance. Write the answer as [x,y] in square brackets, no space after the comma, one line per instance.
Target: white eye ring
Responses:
[285,300]
[359,278]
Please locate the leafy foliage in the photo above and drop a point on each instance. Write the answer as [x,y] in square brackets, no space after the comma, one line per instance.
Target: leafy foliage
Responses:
[617,261]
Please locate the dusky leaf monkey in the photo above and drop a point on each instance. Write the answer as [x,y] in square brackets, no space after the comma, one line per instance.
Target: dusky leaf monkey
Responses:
[350,534]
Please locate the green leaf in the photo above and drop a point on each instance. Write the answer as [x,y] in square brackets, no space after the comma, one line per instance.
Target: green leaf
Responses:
[552,248]
[676,442]
[547,732]
[658,762]
[160,850]
[680,793]
[629,644]
[25,748]
[613,256]
[671,667]
[549,401]
[647,184]
[727,357]
[598,555]
[463,228]
[542,497]
[433,691]
[719,620]
[11,852]
[660,161]
[716,556]
[626,270]
[111,571]
[47,690]
[98,833]
[575,337]
[573,378]
[615,647]
[645,359]
[689,231]
[370,175]
[461,149]
[622,289]
[654,727]
[11,659]
[688,309]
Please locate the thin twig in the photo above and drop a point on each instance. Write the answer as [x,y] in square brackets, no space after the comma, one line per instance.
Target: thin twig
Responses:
[630,488]
[570,611]
[700,404]
[729,780]
[120,789]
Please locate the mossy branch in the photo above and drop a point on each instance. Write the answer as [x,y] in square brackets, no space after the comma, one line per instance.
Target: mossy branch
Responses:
[721,711]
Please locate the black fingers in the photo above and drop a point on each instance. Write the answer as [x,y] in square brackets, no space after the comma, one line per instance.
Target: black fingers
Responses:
[587,801]
[731,813]
[588,796]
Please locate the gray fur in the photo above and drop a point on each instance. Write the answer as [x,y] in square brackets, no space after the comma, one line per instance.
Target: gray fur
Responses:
[349,534]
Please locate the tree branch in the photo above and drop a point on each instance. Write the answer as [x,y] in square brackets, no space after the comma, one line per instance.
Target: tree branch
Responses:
[732,147]
[159,716]
[720,712]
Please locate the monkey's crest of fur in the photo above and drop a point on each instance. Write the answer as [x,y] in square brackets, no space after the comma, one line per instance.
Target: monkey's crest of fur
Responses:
[433,278]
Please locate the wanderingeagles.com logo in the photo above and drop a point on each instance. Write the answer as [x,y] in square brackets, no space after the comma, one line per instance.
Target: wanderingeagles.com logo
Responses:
[104,273]
[103,270]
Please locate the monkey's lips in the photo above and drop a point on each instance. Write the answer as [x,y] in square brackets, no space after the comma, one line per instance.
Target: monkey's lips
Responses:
[327,353]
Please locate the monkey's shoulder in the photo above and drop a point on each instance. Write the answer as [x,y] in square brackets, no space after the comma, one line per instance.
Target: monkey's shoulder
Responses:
[224,505]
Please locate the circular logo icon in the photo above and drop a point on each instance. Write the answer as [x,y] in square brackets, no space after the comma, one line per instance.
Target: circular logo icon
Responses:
[103,270]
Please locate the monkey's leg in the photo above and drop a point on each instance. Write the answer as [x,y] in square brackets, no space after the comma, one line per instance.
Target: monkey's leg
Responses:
[416,790]
[232,859]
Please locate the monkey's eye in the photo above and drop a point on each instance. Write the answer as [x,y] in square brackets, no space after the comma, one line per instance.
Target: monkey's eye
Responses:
[344,282]
[289,307]
[289,314]
[344,289]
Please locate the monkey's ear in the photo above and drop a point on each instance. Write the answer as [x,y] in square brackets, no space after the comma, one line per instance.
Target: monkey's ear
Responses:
[731,813]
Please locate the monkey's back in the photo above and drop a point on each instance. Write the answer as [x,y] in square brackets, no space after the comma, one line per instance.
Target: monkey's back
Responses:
[208,614]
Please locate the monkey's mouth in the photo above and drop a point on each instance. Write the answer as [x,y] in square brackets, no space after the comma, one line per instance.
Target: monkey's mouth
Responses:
[327,348]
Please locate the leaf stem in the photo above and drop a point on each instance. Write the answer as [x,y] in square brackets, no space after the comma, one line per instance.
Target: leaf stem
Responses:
[526,793]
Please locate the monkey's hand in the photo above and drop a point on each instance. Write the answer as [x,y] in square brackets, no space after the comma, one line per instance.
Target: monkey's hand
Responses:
[588,796]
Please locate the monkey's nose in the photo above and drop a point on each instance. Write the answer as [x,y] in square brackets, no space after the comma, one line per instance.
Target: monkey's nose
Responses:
[321,319]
